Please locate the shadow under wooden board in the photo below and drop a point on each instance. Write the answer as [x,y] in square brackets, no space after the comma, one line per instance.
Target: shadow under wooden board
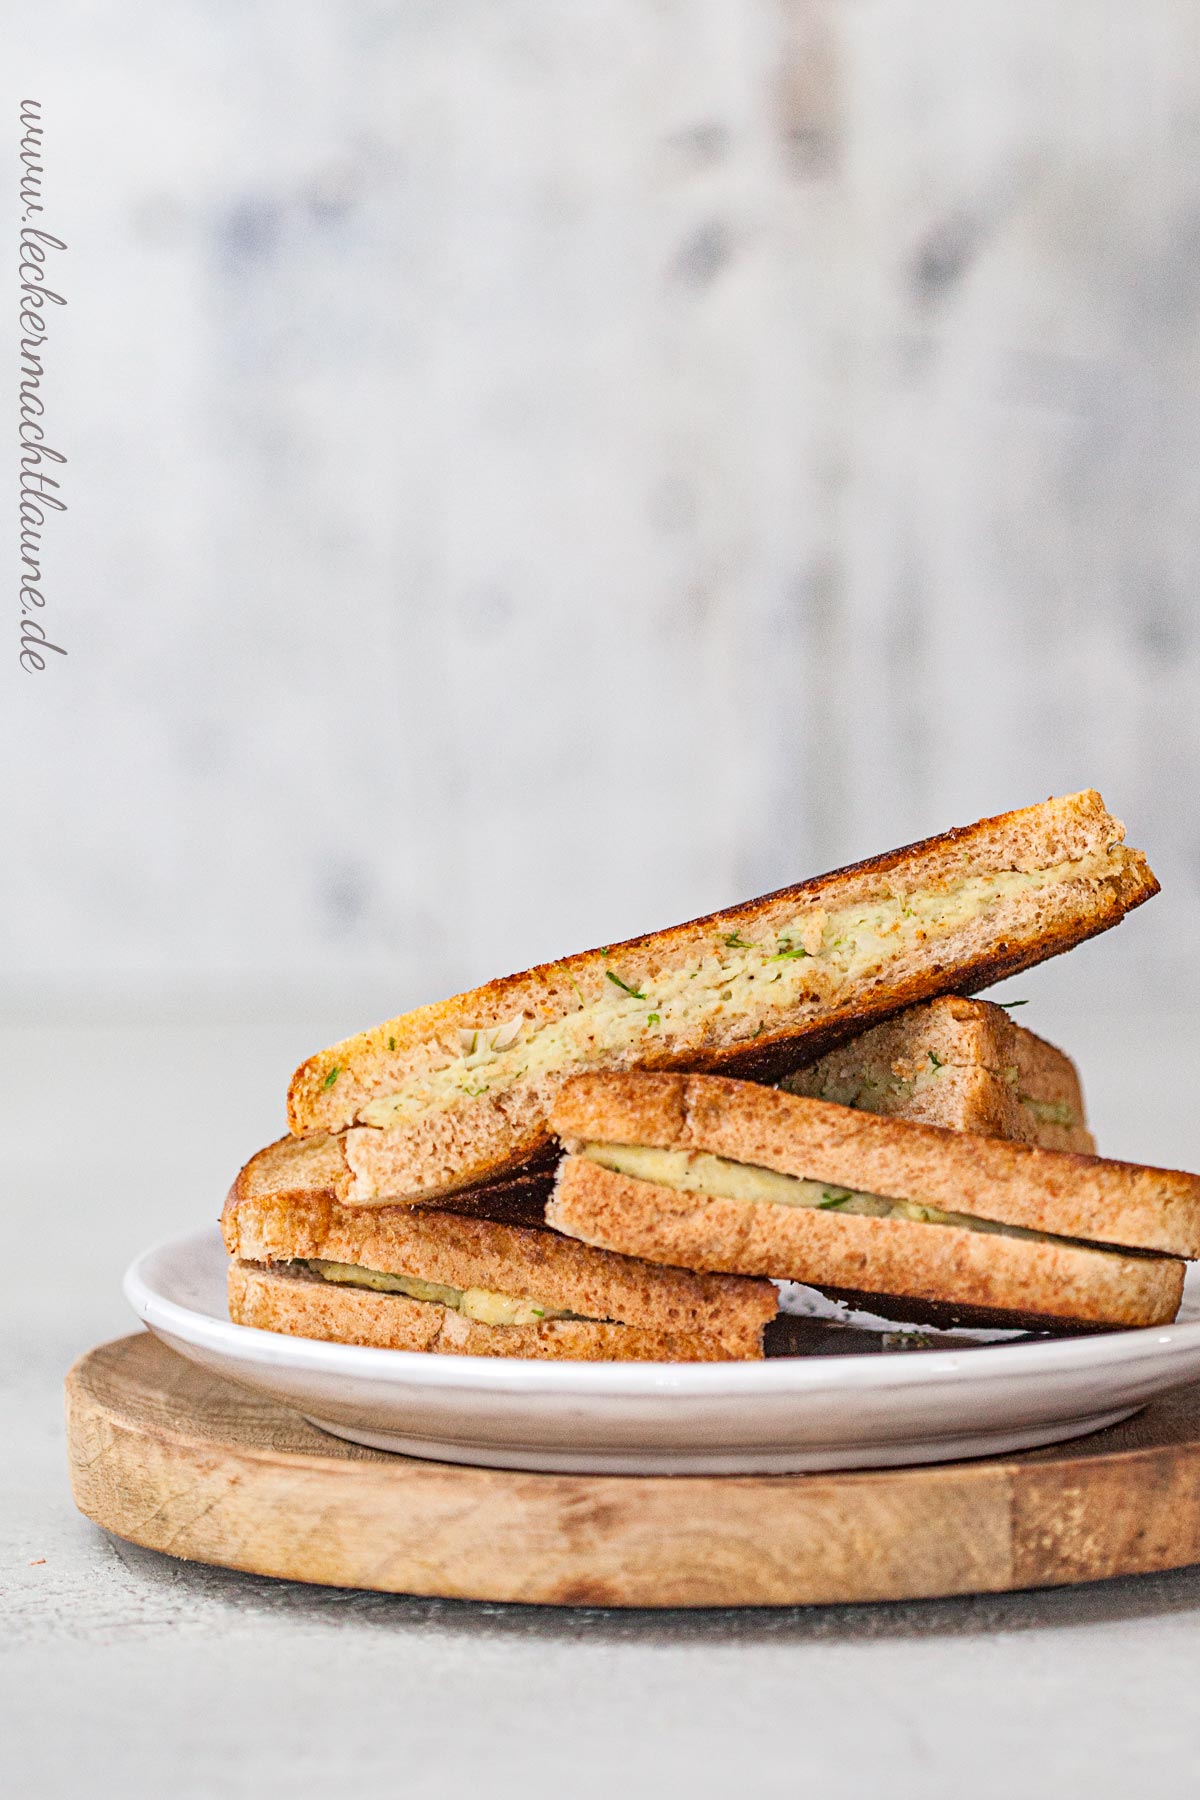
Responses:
[178,1460]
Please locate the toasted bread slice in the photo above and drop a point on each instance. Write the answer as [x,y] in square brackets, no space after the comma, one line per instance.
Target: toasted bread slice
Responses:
[298,1169]
[1014,1184]
[459,1092]
[302,1305]
[513,1283]
[962,1064]
[708,1173]
[954,1276]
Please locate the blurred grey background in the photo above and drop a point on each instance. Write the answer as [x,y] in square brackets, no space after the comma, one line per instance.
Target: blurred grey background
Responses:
[538,473]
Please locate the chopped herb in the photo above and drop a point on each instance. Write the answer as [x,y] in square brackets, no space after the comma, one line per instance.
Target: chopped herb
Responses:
[787,951]
[1011,1003]
[391,1043]
[735,942]
[1049,1112]
[475,1092]
[604,950]
[653,1019]
[834,1197]
[634,993]
[936,1060]
[539,1312]
[330,1078]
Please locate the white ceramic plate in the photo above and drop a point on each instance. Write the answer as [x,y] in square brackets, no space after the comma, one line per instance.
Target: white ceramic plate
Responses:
[778,1416]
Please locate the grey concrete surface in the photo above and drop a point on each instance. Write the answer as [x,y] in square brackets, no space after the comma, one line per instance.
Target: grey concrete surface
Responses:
[125,1673]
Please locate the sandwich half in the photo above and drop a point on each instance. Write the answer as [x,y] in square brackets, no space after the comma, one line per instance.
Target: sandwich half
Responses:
[458,1093]
[400,1278]
[910,1220]
[959,1063]
[294,1169]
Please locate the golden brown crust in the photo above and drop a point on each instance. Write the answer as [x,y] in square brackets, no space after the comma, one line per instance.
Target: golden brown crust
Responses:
[876,1257]
[274,1300]
[1088,1197]
[297,1168]
[457,1146]
[963,1064]
[527,1264]
[290,1166]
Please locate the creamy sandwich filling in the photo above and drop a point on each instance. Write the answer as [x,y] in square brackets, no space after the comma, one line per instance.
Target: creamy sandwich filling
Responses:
[483,1305]
[744,977]
[867,1086]
[874,1086]
[699,1172]
[1049,1112]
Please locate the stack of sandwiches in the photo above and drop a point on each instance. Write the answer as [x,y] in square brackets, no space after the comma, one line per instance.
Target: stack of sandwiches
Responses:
[617,1155]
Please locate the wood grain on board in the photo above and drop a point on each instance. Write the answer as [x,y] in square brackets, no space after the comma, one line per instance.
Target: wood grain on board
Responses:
[181,1461]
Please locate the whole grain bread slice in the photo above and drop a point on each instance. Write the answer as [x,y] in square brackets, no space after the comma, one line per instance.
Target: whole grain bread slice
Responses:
[272,1299]
[296,1168]
[963,1064]
[270,1228]
[1057,1191]
[952,1275]
[453,1093]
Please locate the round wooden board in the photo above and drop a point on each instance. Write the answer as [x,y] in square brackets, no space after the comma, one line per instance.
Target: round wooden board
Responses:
[179,1460]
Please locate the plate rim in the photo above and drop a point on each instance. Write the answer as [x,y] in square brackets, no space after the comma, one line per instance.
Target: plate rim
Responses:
[776,1376]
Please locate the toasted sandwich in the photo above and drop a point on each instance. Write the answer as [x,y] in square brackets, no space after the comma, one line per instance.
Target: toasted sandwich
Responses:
[296,1168]
[401,1278]
[459,1093]
[909,1220]
[959,1063]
